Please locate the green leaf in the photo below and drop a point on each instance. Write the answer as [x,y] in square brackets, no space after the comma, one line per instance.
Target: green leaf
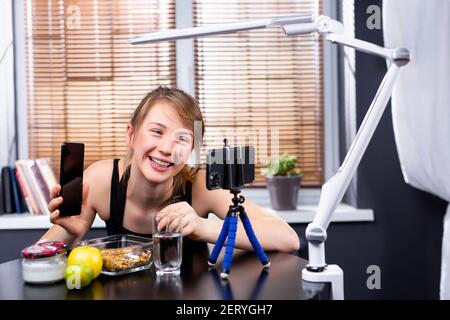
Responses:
[284,165]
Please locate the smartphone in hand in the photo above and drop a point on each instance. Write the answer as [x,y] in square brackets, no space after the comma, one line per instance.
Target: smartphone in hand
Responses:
[71,178]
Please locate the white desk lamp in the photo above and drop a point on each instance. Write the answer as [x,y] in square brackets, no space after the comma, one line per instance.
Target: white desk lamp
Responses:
[333,190]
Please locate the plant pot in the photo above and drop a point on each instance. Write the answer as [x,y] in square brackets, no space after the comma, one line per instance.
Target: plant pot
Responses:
[283,191]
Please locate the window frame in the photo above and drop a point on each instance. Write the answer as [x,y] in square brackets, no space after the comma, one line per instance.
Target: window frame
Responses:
[185,81]
[20,79]
[7,89]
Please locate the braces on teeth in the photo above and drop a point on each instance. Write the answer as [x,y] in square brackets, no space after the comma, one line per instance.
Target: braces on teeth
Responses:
[161,163]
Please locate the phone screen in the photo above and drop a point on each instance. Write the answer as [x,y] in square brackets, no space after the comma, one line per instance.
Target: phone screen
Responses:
[71,178]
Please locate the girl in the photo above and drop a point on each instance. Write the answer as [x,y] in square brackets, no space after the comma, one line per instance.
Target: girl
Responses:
[153,175]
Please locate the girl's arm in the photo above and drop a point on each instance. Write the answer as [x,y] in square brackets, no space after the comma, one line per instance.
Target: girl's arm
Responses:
[69,229]
[272,232]
[72,229]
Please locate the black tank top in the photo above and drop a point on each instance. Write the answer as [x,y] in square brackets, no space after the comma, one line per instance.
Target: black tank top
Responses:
[114,225]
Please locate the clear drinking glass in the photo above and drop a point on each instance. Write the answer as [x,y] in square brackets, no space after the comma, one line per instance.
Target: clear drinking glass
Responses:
[167,243]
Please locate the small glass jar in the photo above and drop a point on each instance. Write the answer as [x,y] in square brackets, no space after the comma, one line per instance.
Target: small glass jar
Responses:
[44,262]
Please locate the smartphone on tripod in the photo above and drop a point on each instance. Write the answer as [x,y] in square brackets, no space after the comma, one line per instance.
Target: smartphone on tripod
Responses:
[71,178]
[230,167]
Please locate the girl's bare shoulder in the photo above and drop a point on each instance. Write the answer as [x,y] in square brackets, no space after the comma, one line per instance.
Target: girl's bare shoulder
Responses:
[99,171]
[98,175]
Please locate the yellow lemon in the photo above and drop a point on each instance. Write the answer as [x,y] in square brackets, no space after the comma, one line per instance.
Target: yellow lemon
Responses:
[87,255]
[78,276]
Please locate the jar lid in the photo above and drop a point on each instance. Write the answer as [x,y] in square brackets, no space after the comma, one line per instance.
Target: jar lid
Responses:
[44,250]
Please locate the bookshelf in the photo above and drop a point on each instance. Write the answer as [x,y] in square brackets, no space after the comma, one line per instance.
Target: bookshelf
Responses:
[303,214]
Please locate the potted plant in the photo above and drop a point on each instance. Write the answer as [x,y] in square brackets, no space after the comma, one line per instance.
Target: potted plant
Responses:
[283,181]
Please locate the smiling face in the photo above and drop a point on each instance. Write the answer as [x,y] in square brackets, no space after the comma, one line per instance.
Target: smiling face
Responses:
[161,144]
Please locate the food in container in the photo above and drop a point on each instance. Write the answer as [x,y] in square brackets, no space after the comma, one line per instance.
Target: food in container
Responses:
[44,262]
[123,254]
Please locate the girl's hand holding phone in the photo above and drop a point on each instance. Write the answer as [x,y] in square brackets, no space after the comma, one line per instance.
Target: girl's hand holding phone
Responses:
[75,225]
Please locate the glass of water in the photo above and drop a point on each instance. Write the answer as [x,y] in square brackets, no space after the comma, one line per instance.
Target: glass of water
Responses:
[167,243]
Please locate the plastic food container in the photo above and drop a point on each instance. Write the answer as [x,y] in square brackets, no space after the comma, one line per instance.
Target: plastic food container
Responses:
[123,254]
[44,262]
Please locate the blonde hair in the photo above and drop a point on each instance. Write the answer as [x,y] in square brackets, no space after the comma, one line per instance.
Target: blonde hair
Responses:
[187,108]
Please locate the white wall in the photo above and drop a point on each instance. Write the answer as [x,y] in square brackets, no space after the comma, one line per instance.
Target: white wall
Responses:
[7,131]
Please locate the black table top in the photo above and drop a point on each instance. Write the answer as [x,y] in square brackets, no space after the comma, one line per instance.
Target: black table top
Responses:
[247,281]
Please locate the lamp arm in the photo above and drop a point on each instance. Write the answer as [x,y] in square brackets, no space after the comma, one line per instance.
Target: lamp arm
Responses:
[333,190]
[399,56]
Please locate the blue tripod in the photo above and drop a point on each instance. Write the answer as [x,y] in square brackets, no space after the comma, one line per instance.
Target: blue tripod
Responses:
[228,232]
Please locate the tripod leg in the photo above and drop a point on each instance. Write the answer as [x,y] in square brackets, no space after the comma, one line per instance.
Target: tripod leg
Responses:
[219,243]
[226,266]
[252,237]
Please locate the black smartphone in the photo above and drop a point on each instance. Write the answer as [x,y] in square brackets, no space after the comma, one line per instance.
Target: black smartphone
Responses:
[71,178]
[230,167]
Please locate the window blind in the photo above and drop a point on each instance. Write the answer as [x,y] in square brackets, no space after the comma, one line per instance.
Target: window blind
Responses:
[84,79]
[261,87]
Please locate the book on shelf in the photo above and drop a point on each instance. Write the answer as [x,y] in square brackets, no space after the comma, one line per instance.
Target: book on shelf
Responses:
[15,191]
[8,204]
[42,184]
[36,178]
[11,198]
[46,170]
[23,186]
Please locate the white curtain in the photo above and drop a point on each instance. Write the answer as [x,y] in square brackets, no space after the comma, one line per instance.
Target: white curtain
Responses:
[421,101]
